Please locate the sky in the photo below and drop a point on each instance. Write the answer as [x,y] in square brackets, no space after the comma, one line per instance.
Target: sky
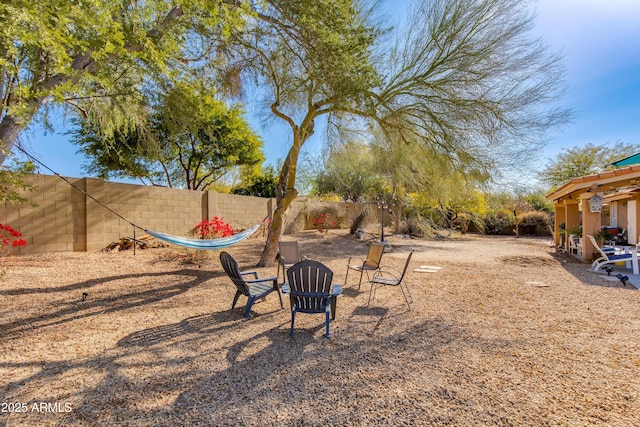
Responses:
[601,43]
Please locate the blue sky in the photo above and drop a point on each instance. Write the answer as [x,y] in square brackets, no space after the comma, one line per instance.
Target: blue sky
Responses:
[601,41]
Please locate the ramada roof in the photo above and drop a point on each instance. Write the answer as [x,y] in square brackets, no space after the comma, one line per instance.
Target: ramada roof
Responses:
[614,183]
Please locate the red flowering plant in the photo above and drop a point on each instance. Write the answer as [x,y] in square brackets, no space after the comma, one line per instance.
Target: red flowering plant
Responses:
[321,223]
[9,238]
[213,228]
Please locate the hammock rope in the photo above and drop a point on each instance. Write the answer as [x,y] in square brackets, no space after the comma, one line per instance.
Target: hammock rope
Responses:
[201,244]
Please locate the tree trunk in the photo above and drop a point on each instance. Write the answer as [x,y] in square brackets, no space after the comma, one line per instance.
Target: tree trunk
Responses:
[10,129]
[285,195]
[276,229]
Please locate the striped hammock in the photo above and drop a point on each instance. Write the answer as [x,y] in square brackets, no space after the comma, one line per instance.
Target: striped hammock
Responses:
[208,244]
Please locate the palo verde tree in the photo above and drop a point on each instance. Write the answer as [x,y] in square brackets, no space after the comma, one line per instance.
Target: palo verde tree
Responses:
[470,85]
[190,140]
[350,172]
[76,53]
[311,59]
[466,81]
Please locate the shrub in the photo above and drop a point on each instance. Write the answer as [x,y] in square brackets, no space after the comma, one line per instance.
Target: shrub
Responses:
[534,223]
[322,216]
[213,228]
[499,223]
[417,226]
[9,238]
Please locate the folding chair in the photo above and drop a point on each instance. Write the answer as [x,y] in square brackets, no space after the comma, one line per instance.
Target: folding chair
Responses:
[370,263]
[289,253]
[389,276]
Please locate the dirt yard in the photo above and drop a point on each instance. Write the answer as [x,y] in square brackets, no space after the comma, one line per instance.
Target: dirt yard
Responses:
[506,332]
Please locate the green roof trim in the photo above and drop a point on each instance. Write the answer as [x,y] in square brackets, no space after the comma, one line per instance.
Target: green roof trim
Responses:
[628,161]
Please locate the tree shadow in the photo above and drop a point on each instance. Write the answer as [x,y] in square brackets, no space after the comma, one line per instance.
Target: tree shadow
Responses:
[77,309]
[220,372]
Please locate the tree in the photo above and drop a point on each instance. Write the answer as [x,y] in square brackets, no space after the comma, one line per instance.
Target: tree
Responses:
[580,161]
[12,184]
[191,140]
[311,59]
[350,173]
[466,82]
[469,84]
[97,56]
[263,185]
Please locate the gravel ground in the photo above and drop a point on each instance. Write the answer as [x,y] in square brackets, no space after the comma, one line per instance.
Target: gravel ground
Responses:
[506,332]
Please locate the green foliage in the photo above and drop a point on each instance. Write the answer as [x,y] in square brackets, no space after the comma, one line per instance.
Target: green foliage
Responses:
[416,225]
[499,223]
[350,172]
[190,141]
[537,200]
[12,184]
[466,81]
[602,236]
[100,57]
[263,185]
[584,160]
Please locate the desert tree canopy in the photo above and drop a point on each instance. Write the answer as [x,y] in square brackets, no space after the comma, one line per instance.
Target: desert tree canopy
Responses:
[94,55]
[465,81]
[190,139]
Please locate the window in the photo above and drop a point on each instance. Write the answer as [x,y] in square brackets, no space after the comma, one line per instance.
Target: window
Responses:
[613,212]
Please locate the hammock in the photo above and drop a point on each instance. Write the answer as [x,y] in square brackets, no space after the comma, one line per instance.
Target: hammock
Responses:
[222,242]
[208,244]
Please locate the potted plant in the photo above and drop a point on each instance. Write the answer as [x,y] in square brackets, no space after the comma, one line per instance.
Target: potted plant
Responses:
[576,230]
[602,236]
[562,233]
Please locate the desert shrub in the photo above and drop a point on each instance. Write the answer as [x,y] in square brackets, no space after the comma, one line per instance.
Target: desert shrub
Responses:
[213,228]
[416,225]
[534,223]
[499,223]
[322,216]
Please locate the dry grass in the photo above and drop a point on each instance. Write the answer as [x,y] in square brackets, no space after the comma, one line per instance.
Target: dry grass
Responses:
[507,333]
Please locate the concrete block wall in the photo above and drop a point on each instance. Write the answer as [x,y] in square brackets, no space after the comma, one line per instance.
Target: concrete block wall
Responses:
[57,222]
[343,214]
[67,220]
[239,211]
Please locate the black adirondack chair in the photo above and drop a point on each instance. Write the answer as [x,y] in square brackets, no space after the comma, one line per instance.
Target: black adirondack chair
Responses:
[252,288]
[310,291]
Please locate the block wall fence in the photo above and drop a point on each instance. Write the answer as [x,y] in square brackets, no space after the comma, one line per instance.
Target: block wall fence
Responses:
[65,219]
